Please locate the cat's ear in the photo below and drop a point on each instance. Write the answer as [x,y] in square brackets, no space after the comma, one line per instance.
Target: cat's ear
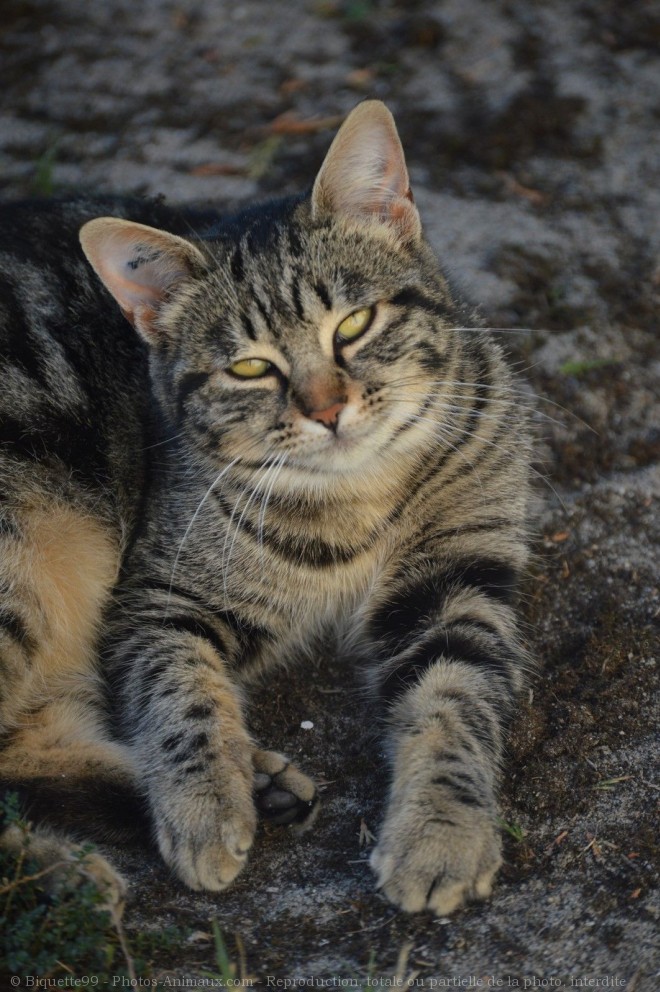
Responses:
[364,174]
[140,266]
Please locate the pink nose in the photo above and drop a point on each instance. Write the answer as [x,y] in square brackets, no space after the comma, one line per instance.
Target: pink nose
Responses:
[328,417]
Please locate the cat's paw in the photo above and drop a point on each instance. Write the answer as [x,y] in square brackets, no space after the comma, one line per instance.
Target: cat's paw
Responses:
[283,794]
[65,866]
[205,827]
[426,861]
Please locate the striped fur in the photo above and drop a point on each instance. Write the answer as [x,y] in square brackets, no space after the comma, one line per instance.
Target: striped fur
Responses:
[170,530]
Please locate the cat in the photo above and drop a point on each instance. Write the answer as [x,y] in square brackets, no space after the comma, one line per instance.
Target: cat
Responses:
[287,430]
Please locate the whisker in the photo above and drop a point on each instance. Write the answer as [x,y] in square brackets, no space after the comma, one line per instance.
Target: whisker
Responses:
[190,526]
[226,557]
[264,502]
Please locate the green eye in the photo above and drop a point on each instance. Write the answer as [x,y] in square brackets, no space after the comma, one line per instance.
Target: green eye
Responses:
[250,368]
[355,324]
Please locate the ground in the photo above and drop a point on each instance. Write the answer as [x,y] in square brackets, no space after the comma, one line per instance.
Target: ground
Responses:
[532,137]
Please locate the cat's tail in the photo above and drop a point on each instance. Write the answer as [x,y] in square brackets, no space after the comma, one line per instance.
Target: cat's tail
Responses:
[99,809]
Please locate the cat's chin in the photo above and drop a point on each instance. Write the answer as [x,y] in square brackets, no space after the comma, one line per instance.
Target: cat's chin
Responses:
[344,455]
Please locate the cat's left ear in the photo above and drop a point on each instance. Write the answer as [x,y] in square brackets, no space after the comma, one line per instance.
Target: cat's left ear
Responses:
[141,266]
[364,175]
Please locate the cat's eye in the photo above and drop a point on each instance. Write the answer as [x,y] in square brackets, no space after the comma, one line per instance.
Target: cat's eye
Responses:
[354,325]
[250,368]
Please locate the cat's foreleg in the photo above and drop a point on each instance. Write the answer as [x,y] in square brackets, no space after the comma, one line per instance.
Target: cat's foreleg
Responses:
[183,715]
[205,780]
[449,694]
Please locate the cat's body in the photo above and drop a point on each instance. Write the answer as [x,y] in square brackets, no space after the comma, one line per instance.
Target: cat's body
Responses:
[305,453]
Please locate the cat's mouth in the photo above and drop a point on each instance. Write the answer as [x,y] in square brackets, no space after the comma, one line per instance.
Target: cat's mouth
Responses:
[345,449]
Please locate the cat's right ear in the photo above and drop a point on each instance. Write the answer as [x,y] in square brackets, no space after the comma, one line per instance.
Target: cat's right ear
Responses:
[141,266]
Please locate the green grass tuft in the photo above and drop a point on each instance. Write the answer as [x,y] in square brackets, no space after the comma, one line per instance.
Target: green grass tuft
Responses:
[68,934]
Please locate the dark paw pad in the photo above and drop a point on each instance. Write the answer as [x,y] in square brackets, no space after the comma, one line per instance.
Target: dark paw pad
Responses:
[283,795]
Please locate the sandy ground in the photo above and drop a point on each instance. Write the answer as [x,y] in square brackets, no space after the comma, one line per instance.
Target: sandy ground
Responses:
[532,137]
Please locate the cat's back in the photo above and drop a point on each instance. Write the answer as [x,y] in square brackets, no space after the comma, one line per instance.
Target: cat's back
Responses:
[74,403]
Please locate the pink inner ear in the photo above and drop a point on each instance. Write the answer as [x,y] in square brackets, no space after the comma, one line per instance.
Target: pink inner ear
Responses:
[131,278]
[364,174]
[128,292]
[139,265]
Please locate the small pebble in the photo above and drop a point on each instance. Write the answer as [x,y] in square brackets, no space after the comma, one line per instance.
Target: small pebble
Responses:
[307,725]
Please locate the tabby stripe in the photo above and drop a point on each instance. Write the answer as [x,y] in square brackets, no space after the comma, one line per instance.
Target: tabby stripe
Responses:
[198,766]
[493,524]
[297,298]
[412,297]
[147,656]
[171,590]
[482,377]
[187,385]
[15,628]
[75,444]
[265,315]
[313,553]
[396,620]
[462,793]
[413,419]
[172,742]
[199,711]
[450,644]
[487,449]
[324,296]
[246,631]
[248,327]
[191,625]
[249,634]
[484,729]
[295,242]
[429,357]
[19,346]
[190,749]
[236,265]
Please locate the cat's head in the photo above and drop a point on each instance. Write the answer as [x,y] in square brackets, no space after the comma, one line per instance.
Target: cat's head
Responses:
[310,331]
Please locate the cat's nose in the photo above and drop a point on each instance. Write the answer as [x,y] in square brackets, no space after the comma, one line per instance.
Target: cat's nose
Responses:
[328,417]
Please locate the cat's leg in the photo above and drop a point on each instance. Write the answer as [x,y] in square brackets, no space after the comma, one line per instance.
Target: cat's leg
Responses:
[181,713]
[70,781]
[57,565]
[454,668]
[283,793]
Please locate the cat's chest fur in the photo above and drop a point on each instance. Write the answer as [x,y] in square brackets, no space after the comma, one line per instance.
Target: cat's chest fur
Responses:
[309,569]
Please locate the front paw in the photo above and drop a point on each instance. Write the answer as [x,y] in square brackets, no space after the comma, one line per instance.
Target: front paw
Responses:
[427,860]
[205,827]
[283,794]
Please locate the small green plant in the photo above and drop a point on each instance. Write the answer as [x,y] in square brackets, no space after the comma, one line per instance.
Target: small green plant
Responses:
[608,784]
[228,972]
[513,829]
[43,183]
[63,933]
[358,10]
[579,368]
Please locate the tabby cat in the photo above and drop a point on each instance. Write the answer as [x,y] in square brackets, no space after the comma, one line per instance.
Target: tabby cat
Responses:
[287,434]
